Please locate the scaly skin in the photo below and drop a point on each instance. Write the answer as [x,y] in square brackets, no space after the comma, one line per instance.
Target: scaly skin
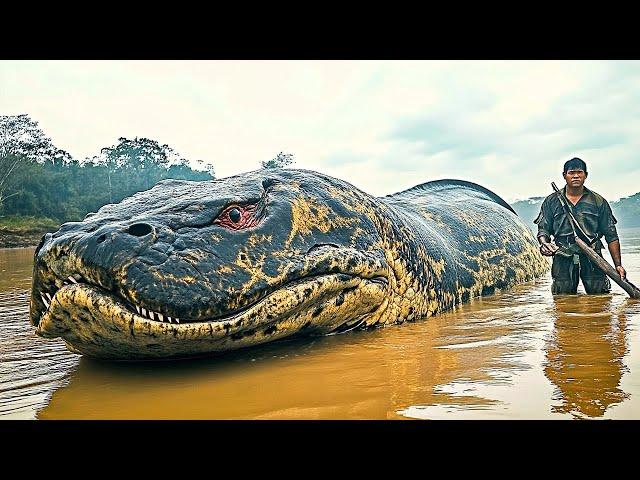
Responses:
[302,254]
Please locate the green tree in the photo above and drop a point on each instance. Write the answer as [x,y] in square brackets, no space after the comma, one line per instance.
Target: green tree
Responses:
[144,160]
[22,140]
[137,164]
[281,160]
[45,181]
[202,166]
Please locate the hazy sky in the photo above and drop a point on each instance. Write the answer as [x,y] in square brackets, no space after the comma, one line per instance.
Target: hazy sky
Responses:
[384,126]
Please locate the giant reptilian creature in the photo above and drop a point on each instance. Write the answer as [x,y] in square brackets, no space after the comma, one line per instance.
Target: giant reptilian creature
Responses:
[191,268]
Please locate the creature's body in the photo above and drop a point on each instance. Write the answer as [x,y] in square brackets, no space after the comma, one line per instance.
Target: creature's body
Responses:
[191,268]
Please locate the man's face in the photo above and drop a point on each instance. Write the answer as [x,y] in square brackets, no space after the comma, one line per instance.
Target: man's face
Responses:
[575,177]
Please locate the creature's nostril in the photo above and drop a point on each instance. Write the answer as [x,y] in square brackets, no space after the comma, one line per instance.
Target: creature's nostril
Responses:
[101,238]
[139,229]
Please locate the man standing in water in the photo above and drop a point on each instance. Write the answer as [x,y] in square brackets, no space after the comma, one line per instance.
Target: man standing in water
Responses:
[594,214]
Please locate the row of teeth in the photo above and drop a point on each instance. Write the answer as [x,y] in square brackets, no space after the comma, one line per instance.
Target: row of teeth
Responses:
[156,316]
[46,298]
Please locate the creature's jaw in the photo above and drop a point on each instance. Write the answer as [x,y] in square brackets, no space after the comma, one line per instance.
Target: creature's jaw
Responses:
[98,323]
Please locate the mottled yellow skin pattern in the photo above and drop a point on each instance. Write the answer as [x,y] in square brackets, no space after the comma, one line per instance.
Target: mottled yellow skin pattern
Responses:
[414,273]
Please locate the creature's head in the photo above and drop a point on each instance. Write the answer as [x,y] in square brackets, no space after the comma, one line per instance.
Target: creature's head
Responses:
[188,268]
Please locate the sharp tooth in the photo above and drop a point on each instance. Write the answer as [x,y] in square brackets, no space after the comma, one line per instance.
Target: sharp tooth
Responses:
[177,320]
[138,309]
[48,295]
[169,319]
[144,312]
[160,317]
[72,280]
[65,283]
[44,300]
[151,316]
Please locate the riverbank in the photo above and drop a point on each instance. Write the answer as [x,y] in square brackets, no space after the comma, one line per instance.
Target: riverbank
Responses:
[24,231]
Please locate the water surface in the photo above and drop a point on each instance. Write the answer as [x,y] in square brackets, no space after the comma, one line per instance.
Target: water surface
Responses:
[521,354]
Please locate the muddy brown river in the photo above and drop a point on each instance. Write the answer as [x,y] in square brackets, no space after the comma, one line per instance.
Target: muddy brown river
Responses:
[521,354]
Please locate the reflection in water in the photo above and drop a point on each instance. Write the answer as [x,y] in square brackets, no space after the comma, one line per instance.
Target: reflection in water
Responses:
[585,355]
[312,378]
[494,341]
[357,375]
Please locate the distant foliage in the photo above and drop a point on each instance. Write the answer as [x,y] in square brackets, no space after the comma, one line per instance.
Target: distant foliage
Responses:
[20,136]
[528,211]
[43,180]
[139,164]
[626,210]
[21,141]
[281,160]
[202,166]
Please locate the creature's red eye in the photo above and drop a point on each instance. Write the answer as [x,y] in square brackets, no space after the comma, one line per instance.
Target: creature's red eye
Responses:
[238,217]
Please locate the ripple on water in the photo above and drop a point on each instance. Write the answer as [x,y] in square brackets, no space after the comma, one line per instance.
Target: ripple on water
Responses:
[31,368]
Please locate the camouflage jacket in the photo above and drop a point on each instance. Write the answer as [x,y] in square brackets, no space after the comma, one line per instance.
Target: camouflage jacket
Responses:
[592,212]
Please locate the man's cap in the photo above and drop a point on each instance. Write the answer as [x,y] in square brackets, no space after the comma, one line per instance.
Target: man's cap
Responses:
[574,164]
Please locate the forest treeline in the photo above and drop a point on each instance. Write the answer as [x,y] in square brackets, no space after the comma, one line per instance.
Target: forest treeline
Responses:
[39,179]
[626,211]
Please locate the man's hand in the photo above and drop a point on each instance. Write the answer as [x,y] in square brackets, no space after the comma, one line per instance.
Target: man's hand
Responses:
[548,249]
[614,250]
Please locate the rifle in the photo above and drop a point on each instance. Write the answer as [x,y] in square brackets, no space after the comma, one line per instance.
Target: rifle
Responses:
[600,262]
